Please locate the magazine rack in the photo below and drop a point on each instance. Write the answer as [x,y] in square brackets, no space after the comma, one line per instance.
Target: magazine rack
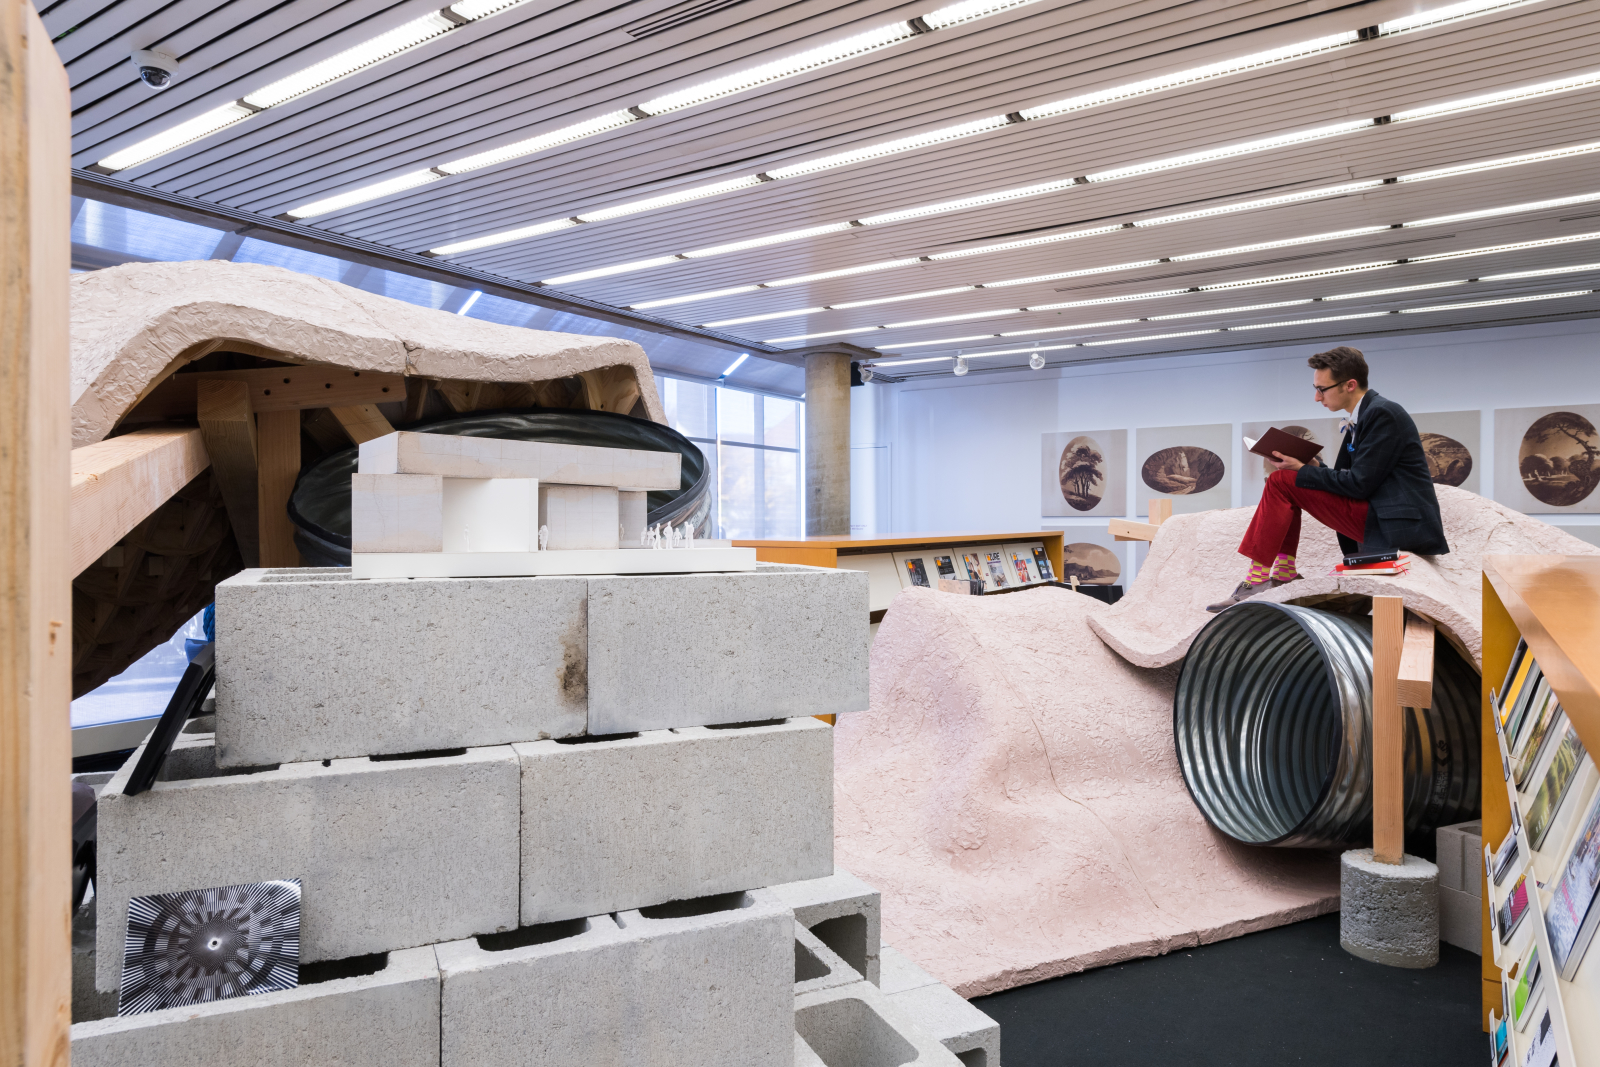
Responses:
[1552,603]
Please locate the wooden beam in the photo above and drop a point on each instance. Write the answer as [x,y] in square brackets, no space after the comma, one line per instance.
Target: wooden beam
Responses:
[1416,664]
[1129,530]
[1160,510]
[363,422]
[460,395]
[611,388]
[278,449]
[35,580]
[118,483]
[417,390]
[314,385]
[1388,732]
[229,429]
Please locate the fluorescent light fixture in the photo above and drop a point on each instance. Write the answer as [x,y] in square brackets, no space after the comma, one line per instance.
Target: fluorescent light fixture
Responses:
[1231,311]
[1277,279]
[1493,303]
[1395,289]
[770,239]
[991,314]
[1223,68]
[351,60]
[472,10]
[1306,322]
[340,201]
[1440,16]
[1209,155]
[908,362]
[968,11]
[668,301]
[1545,273]
[473,299]
[1333,235]
[996,197]
[762,318]
[615,268]
[1514,246]
[779,69]
[1108,300]
[501,238]
[889,148]
[1072,273]
[1027,242]
[843,272]
[1491,212]
[1586,80]
[1149,337]
[1022,351]
[183,133]
[1322,192]
[813,336]
[902,297]
[954,340]
[680,196]
[566,134]
[735,364]
[1503,161]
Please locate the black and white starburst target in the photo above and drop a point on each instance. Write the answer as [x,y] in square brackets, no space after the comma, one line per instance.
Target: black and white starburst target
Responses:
[210,944]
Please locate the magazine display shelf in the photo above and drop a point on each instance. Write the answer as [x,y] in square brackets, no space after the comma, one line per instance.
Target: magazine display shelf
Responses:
[1552,603]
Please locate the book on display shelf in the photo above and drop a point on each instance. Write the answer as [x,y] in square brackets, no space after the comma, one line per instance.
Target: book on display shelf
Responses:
[1513,685]
[1020,562]
[1504,857]
[1525,712]
[1571,915]
[1516,664]
[945,565]
[1553,789]
[1499,1040]
[974,567]
[1542,1051]
[1513,908]
[1542,725]
[917,572]
[1041,560]
[1523,990]
[996,563]
[1517,709]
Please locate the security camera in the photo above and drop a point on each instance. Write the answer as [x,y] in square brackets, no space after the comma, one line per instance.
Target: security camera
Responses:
[156,69]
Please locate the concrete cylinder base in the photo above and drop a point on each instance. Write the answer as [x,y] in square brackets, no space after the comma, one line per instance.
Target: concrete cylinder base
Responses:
[1389,913]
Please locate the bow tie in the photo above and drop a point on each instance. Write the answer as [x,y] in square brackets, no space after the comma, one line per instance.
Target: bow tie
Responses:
[1345,424]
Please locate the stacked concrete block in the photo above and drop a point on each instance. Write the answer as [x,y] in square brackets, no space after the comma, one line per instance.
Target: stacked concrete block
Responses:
[855,1025]
[388,1018]
[705,982]
[391,853]
[672,815]
[1459,852]
[939,1011]
[843,912]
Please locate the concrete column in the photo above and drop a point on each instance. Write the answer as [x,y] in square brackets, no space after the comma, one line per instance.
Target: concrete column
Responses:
[827,443]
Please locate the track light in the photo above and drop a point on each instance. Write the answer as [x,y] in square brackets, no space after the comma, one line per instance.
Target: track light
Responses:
[960,368]
[1036,361]
[866,372]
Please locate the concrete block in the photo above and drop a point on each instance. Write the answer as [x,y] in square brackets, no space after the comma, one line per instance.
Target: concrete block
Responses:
[1460,920]
[396,513]
[943,1015]
[857,1026]
[696,649]
[491,514]
[706,982]
[389,1018]
[1389,912]
[845,913]
[580,516]
[671,815]
[816,966]
[900,972]
[88,1003]
[391,854]
[633,510]
[1458,853]
[317,665]
[486,457]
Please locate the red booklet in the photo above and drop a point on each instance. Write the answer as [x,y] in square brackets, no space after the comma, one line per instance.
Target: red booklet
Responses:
[1275,440]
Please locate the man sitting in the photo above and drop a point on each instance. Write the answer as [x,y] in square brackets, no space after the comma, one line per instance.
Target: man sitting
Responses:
[1378,496]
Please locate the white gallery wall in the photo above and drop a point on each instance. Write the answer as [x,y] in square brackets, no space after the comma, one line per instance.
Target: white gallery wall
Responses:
[948,454]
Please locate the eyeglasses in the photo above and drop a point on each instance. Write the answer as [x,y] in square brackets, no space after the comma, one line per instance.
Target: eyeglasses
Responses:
[1320,389]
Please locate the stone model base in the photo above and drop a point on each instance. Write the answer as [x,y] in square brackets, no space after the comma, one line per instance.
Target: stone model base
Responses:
[1389,912]
[571,561]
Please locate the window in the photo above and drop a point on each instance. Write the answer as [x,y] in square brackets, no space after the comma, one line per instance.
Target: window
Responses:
[753,446]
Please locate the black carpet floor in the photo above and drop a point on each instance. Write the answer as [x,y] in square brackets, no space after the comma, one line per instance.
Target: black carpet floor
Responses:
[1284,996]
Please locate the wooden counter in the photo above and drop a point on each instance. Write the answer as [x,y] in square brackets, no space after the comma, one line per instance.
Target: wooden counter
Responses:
[825,551]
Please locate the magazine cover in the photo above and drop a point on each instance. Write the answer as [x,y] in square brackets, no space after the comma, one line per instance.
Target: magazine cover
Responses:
[1041,560]
[1569,918]
[974,567]
[946,566]
[1021,563]
[1563,769]
[997,569]
[917,572]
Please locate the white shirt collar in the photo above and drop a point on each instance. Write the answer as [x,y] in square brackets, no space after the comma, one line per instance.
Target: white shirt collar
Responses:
[1349,417]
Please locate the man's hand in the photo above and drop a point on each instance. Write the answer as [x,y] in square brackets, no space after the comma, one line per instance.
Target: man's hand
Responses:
[1285,463]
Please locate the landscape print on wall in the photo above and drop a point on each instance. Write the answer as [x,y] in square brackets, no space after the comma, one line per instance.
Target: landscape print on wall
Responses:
[1084,473]
[1090,564]
[1188,464]
[1450,439]
[1550,457]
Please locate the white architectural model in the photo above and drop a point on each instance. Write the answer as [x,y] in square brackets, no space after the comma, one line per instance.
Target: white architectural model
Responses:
[437,506]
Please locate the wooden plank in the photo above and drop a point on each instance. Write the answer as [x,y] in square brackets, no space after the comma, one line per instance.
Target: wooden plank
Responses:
[1160,510]
[363,422]
[35,580]
[611,388]
[1388,734]
[1499,643]
[229,429]
[461,396]
[1416,664]
[810,557]
[117,483]
[1129,530]
[278,451]
[313,385]
[417,390]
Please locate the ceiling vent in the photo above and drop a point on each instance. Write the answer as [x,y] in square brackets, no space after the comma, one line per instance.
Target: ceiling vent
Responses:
[677,15]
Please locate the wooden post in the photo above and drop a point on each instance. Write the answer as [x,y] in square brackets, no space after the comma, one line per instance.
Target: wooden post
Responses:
[1388,735]
[229,428]
[1160,510]
[363,422]
[278,447]
[35,575]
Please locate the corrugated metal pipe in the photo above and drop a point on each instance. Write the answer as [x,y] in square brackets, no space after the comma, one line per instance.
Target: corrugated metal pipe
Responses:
[1273,724]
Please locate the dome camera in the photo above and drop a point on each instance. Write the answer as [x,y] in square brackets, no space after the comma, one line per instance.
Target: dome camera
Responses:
[156,69]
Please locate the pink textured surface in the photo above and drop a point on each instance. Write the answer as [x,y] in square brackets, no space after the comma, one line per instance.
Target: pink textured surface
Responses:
[1013,791]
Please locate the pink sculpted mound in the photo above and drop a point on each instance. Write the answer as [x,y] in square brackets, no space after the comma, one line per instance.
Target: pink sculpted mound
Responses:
[1013,791]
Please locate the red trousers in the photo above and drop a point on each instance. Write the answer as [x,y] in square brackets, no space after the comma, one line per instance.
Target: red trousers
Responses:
[1276,526]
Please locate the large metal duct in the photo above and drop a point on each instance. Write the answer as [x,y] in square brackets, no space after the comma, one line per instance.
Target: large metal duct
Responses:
[1273,724]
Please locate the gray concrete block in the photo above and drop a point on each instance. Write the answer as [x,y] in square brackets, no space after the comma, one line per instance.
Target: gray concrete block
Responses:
[671,815]
[1389,912]
[1458,853]
[386,1019]
[710,988]
[816,966]
[1461,920]
[391,854]
[320,665]
[900,972]
[88,1003]
[943,1015]
[857,1026]
[844,912]
[693,649]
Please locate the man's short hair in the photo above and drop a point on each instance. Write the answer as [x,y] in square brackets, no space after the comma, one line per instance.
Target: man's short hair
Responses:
[1343,363]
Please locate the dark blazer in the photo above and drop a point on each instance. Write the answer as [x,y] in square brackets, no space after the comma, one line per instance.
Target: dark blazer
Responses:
[1389,470]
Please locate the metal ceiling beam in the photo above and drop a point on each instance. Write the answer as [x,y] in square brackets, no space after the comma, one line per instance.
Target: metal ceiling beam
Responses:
[294,235]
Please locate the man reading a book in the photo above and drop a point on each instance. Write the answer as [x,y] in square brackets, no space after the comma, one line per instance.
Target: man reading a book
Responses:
[1378,495]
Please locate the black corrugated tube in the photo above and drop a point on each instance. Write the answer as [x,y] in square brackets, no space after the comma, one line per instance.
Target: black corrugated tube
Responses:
[1273,725]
